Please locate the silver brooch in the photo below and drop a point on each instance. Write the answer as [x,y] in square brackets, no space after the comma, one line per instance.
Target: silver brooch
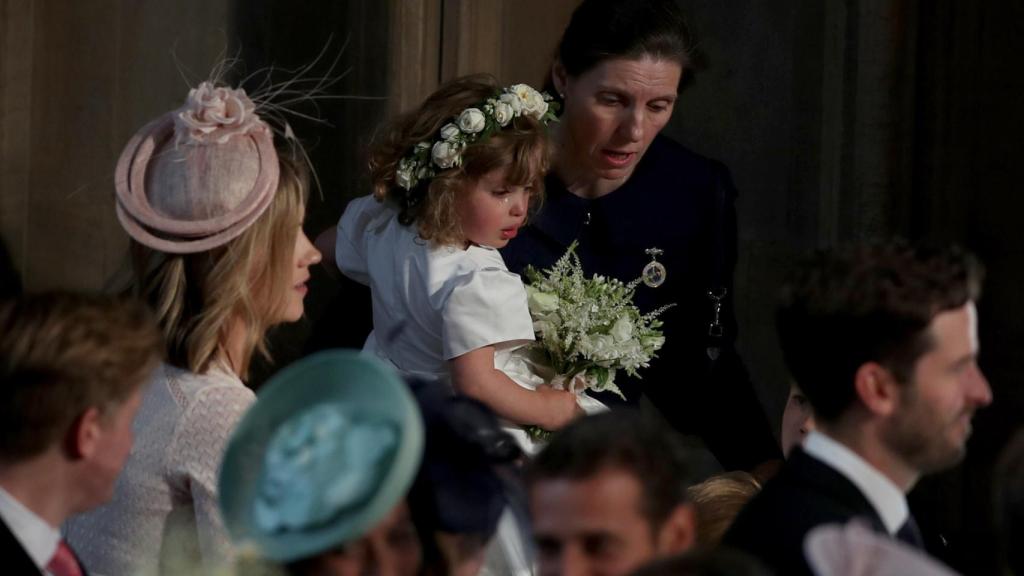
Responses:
[654,272]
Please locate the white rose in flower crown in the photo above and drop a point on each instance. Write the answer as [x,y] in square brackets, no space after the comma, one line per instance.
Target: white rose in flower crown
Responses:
[503,113]
[533,103]
[404,175]
[472,120]
[450,132]
[445,154]
[213,115]
[513,101]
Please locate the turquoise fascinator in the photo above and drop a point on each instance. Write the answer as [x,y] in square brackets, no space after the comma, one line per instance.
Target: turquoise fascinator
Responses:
[331,445]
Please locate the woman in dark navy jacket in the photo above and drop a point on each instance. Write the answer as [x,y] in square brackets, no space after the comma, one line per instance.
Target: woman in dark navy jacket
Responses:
[640,203]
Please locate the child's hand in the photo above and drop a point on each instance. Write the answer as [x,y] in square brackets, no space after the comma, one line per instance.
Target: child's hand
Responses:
[560,407]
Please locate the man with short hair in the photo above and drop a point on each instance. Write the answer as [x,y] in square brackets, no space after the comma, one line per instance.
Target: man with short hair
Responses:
[71,374]
[608,494]
[882,340]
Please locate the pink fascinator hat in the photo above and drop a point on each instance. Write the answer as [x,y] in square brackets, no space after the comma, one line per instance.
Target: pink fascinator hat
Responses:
[197,177]
[854,549]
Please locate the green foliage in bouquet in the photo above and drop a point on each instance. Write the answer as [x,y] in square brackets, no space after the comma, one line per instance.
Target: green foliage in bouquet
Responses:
[590,327]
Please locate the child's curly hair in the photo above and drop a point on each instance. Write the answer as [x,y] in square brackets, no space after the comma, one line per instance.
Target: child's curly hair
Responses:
[522,146]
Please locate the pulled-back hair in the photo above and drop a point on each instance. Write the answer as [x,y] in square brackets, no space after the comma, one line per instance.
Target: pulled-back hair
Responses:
[196,297]
[522,147]
[61,354]
[622,441]
[606,29]
[718,500]
[867,303]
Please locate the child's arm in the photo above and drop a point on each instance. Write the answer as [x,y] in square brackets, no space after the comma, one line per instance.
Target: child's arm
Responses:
[474,375]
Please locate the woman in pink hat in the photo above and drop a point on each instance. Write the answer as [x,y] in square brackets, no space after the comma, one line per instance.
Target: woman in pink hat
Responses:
[215,216]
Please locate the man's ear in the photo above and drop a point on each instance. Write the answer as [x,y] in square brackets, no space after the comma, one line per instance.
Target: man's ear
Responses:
[679,531]
[877,388]
[84,435]
[559,78]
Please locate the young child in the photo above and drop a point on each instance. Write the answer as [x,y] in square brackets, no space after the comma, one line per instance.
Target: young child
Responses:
[453,182]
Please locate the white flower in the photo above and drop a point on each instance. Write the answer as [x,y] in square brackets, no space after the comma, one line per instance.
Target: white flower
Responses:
[213,115]
[653,342]
[513,102]
[503,113]
[622,331]
[472,120]
[450,132]
[540,302]
[533,103]
[404,176]
[445,154]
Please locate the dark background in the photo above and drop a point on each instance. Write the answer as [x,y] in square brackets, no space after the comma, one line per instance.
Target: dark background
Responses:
[840,120]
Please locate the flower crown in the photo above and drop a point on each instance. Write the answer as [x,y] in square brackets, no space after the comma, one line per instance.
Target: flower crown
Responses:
[472,125]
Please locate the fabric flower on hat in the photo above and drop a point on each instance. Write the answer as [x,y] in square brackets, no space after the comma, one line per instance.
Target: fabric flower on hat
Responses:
[318,463]
[213,115]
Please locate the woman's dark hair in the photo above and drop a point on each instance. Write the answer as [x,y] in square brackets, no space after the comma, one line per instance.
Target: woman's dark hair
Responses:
[604,29]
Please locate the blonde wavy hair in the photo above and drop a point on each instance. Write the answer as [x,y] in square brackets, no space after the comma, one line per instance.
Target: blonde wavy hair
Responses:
[718,500]
[523,147]
[197,298]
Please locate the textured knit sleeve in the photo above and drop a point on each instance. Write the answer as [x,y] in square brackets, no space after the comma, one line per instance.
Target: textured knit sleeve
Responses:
[195,455]
[486,307]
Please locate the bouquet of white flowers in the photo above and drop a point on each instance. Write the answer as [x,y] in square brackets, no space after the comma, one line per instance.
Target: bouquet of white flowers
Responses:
[588,328]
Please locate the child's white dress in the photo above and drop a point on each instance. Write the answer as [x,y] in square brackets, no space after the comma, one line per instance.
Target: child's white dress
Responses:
[430,303]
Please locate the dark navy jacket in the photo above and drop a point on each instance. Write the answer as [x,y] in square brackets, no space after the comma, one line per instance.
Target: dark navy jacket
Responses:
[683,204]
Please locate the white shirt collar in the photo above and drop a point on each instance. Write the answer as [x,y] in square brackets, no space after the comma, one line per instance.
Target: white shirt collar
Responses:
[35,535]
[887,499]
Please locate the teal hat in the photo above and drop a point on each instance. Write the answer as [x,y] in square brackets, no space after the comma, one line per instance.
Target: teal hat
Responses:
[331,445]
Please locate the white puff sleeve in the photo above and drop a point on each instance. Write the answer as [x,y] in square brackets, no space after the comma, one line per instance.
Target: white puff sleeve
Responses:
[350,250]
[486,307]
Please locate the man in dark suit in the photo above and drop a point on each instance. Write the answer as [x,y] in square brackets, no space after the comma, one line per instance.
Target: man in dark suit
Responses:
[882,340]
[71,375]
